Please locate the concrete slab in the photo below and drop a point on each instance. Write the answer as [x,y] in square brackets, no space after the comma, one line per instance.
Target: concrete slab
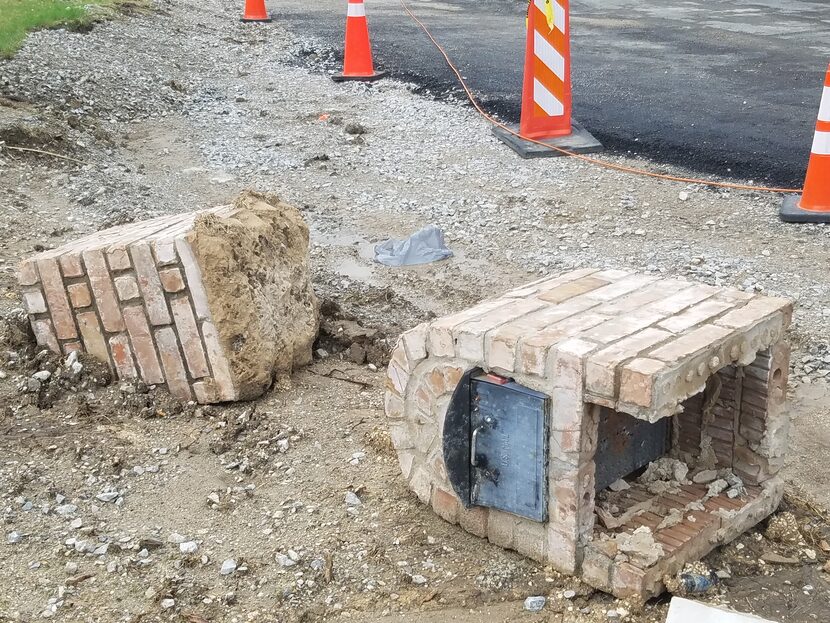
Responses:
[686,611]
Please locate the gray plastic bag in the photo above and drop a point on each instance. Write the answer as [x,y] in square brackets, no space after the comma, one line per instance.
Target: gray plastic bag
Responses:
[424,246]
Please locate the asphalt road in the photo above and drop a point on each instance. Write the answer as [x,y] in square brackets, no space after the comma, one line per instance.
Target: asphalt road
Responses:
[730,87]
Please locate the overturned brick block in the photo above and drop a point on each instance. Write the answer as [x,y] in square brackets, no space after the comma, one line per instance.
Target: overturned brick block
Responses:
[529,419]
[212,304]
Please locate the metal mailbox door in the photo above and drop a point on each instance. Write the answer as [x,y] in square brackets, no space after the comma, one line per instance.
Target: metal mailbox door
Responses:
[508,447]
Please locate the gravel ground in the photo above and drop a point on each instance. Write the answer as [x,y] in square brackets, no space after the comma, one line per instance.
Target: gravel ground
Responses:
[182,109]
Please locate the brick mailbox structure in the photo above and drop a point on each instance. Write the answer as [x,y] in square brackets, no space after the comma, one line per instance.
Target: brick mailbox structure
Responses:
[529,419]
[209,304]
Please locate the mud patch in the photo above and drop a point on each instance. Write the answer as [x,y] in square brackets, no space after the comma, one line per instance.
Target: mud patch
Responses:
[255,271]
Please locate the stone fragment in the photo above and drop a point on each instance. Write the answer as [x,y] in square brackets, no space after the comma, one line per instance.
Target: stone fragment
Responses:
[535,604]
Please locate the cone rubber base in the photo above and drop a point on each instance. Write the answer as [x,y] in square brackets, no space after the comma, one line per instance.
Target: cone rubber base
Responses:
[375,76]
[263,20]
[580,141]
[791,213]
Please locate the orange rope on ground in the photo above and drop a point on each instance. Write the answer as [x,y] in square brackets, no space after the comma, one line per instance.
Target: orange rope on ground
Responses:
[601,163]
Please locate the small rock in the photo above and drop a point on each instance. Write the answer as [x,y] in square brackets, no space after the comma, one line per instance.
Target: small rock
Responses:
[705,477]
[355,129]
[285,561]
[619,485]
[777,559]
[683,196]
[13,538]
[42,376]
[66,509]
[176,538]
[107,496]
[228,567]
[535,604]
[352,499]
[188,547]
[419,580]
[71,568]
[569,594]
[166,604]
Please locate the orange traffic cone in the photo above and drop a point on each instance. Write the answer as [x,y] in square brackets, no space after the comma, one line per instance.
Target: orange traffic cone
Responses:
[255,11]
[357,61]
[546,95]
[813,206]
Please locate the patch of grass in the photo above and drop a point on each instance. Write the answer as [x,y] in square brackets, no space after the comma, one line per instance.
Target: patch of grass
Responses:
[18,17]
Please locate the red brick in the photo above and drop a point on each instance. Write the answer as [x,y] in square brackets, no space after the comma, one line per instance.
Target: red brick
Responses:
[45,336]
[122,356]
[94,342]
[34,302]
[148,280]
[71,265]
[637,381]
[142,344]
[80,295]
[206,391]
[99,280]
[27,274]
[445,505]
[189,337]
[73,347]
[171,280]
[127,288]
[218,362]
[62,318]
[118,258]
[171,360]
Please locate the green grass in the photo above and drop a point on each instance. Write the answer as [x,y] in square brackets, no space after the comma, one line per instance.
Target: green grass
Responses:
[18,17]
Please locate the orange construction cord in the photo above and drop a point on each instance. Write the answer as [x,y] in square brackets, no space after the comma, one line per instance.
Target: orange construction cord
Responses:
[601,163]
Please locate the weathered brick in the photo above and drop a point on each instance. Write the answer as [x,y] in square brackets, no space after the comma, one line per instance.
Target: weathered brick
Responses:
[171,360]
[71,265]
[415,342]
[189,337]
[206,391]
[681,300]
[644,297]
[27,274]
[150,285]
[624,286]
[440,338]
[127,288]
[143,345]
[695,315]
[122,356]
[698,341]
[103,291]
[637,381]
[194,280]
[501,528]
[532,352]
[421,483]
[601,367]
[621,327]
[93,336]
[62,320]
[79,295]
[73,347]
[34,302]
[394,405]
[165,251]
[171,280]
[218,362]
[755,311]
[45,335]
[572,289]
[118,258]
[445,505]
[530,539]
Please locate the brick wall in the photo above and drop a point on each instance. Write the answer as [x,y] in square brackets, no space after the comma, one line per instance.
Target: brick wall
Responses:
[133,297]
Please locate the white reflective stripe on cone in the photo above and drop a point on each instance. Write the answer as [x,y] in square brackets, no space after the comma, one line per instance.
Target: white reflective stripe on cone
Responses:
[356,10]
[821,144]
[546,100]
[824,110]
[558,13]
[549,55]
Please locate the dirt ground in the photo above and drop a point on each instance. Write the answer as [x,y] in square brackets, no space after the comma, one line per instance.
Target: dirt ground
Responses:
[120,505]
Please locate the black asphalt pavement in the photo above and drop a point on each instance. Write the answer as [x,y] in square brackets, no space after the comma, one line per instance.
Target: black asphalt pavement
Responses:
[718,86]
